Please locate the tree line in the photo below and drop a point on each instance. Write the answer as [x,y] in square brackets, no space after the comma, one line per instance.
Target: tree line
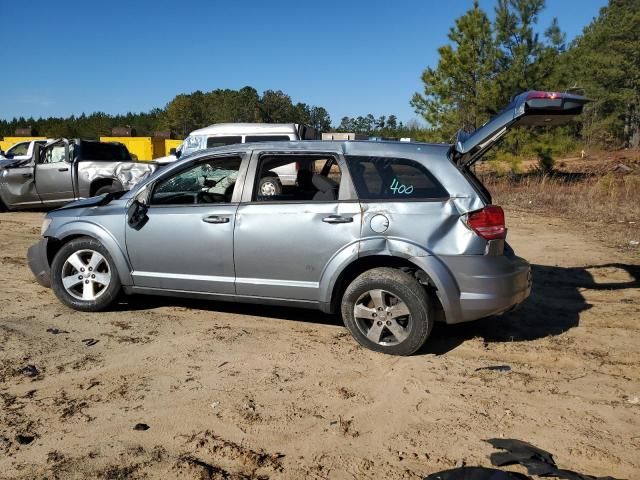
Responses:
[183,114]
[484,63]
[188,112]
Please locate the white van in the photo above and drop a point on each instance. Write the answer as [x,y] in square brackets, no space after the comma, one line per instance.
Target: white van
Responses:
[221,134]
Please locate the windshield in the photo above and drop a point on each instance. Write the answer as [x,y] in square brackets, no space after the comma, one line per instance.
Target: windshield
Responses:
[105,151]
[192,143]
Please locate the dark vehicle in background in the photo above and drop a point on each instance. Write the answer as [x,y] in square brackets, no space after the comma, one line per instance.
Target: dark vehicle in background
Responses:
[62,170]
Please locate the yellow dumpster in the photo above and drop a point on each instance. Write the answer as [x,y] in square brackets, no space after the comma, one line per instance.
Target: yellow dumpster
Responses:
[145,148]
[169,144]
[141,147]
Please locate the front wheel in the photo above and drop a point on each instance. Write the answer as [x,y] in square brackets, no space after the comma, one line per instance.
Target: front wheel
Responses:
[388,311]
[84,276]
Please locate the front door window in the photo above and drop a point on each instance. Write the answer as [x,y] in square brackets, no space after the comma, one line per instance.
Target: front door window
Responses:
[212,181]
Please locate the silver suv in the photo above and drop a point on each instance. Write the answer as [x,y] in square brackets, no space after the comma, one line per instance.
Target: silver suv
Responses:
[393,235]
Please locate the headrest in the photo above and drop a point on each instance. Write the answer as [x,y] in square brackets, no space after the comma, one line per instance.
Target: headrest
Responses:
[324,184]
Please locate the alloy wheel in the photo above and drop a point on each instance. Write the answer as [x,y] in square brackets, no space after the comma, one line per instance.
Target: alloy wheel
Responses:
[382,317]
[86,275]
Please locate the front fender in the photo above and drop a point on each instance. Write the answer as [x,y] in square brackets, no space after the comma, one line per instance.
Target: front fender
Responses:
[86,228]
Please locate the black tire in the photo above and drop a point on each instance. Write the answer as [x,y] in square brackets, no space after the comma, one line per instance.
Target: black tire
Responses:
[271,181]
[3,207]
[114,187]
[396,286]
[105,295]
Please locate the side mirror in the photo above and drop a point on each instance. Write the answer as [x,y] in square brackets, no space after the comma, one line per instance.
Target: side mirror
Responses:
[137,215]
[173,152]
[8,155]
[178,153]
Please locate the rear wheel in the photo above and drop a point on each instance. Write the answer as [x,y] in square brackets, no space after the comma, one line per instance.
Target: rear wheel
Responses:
[269,186]
[83,275]
[388,311]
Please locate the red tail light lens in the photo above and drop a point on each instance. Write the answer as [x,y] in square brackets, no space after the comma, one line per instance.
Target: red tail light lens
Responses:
[488,222]
[548,95]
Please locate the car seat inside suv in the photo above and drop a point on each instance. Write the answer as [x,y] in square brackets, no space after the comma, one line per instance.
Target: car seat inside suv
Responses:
[327,189]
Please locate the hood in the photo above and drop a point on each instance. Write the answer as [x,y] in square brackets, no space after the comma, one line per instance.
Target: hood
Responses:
[98,201]
[11,162]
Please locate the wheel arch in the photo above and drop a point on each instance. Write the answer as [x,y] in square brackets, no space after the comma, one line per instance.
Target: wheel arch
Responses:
[102,182]
[394,253]
[78,229]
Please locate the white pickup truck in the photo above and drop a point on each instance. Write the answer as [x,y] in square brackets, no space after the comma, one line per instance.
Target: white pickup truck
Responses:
[55,172]
[21,151]
[221,134]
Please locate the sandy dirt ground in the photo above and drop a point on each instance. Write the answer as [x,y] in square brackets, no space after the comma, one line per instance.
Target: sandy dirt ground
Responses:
[232,391]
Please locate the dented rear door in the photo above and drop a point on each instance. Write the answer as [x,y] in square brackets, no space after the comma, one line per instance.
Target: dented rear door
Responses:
[18,187]
[282,245]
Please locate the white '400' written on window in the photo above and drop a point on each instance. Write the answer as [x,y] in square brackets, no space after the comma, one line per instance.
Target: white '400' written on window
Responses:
[399,189]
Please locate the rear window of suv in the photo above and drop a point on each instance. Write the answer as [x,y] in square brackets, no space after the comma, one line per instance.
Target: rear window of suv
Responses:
[385,178]
[105,151]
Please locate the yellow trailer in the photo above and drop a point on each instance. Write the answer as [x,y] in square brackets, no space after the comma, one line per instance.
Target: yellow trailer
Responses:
[9,142]
[141,147]
[169,144]
[145,148]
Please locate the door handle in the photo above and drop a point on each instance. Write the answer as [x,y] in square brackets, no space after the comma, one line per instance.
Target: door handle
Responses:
[63,169]
[215,219]
[27,175]
[337,219]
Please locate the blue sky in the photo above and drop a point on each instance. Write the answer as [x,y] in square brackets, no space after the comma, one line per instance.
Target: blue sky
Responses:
[70,56]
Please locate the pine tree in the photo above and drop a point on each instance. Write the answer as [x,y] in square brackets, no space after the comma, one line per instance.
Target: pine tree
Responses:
[457,91]
[605,62]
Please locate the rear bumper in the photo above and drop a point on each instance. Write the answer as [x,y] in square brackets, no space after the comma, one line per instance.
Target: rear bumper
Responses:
[488,285]
[38,262]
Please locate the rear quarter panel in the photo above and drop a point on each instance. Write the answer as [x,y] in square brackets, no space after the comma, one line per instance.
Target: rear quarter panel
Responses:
[433,226]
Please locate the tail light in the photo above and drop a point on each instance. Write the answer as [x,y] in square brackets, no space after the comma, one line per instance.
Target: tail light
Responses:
[297,166]
[488,222]
[547,95]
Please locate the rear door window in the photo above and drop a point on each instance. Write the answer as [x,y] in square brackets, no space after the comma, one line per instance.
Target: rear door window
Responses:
[266,138]
[105,151]
[213,142]
[297,178]
[385,178]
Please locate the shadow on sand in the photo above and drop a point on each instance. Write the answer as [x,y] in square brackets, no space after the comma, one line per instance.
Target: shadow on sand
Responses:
[554,307]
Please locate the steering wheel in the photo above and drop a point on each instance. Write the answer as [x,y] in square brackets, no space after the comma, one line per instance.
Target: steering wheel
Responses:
[207,182]
[208,197]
